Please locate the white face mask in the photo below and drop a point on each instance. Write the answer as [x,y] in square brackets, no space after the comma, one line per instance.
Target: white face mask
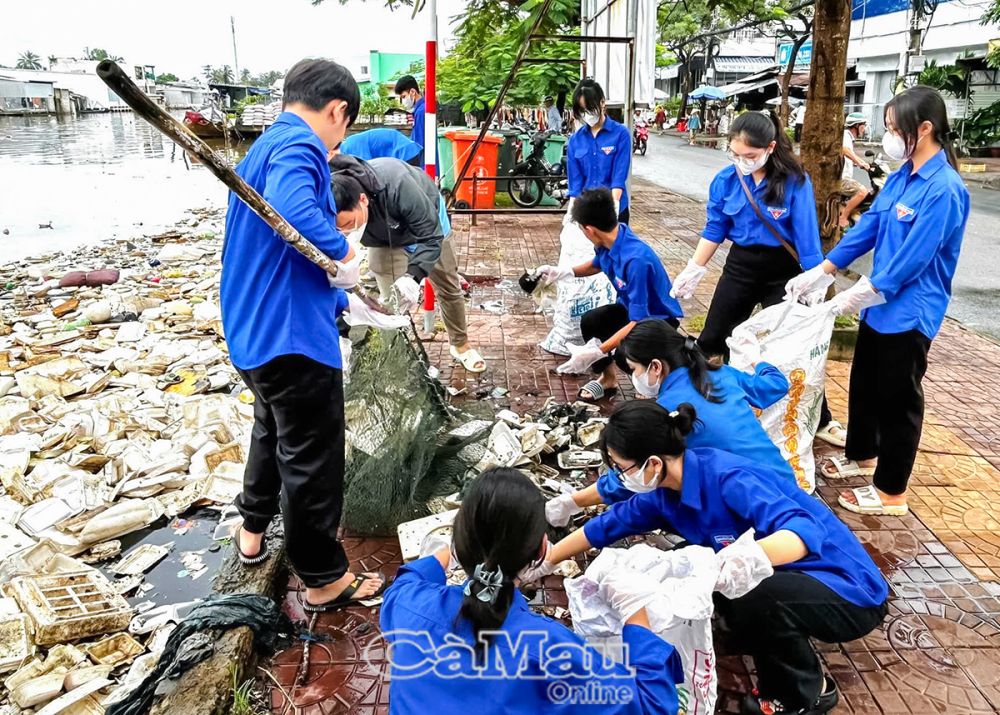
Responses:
[408,103]
[355,234]
[591,119]
[642,385]
[635,480]
[746,167]
[894,146]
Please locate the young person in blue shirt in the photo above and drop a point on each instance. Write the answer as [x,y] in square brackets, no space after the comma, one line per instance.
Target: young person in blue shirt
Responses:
[413,101]
[599,153]
[758,265]
[636,273]
[382,142]
[279,314]
[480,648]
[671,368]
[824,584]
[915,226]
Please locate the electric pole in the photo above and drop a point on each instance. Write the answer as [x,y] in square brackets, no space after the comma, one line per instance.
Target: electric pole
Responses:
[236,59]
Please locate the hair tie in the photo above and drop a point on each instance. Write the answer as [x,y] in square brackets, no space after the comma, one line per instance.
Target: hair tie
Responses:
[674,415]
[690,343]
[491,581]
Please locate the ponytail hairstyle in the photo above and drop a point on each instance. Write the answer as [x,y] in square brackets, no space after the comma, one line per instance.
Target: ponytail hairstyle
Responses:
[759,129]
[497,532]
[641,429]
[658,340]
[913,107]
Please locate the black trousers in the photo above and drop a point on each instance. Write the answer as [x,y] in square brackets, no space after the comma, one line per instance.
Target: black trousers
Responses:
[602,323]
[297,457]
[624,216]
[886,403]
[774,622]
[752,275]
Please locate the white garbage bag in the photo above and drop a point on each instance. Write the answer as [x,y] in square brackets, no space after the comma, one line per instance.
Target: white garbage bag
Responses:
[577,295]
[795,338]
[681,614]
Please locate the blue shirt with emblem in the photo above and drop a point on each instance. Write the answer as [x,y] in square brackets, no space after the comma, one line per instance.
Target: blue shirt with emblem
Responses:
[722,495]
[731,216]
[274,301]
[915,225]
[638,275]
[379,143]
[600,162]
[730,425]
[431,668]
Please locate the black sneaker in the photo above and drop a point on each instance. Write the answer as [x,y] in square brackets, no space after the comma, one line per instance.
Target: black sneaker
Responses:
[754,704]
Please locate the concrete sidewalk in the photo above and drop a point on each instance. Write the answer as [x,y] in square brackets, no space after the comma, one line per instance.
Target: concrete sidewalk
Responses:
[939,649]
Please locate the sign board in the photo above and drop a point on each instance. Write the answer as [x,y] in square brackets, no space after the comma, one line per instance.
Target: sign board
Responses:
[804,56]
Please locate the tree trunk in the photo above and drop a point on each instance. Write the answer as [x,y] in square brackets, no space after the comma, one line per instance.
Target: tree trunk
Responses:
[786,78]
[823,131]
[685,89]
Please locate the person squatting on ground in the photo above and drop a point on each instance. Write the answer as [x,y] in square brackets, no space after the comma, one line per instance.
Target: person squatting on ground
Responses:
[824,584]
[637,275]
[279,313]
[915,226]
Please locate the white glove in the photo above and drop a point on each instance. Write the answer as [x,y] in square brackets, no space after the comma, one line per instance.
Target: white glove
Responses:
[743,566]
[553,274]
[537,570]
[559,510]
[346,348]
[434,542]
[628,592]
[618,208]
[745,345]
[348,274]
[568,217]
[859,296]
[581,357]
[807,285]
[408,293]
[358,313]
[687,280]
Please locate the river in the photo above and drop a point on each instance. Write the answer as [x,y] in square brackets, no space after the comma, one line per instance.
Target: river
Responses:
[93,177]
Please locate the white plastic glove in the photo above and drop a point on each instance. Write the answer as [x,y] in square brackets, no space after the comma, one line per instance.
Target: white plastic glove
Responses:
[559,510]
[346,348]
[807,286]
[434,542]
[408,292]
[627,591]
[859,296]
[687,280]
[568,217]
[618,207]
[358,313]
[348,274]
[553,274]
[581,357]
[745,345]
[743,566]
[537,570]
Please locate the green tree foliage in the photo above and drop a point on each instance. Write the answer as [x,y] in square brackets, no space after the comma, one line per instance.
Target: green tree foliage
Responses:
[225,75]
[167,77]
[28,60]
[218,75]
[375,102]
[99,55]
[945,78]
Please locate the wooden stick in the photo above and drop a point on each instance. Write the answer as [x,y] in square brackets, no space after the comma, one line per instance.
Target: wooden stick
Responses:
[143,106]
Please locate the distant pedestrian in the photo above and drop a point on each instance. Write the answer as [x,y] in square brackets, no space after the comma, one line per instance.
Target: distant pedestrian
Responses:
[553,117]
[799,117]
[693,125]
[660,120]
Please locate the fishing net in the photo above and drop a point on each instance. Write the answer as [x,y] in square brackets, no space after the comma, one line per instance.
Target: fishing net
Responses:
[406,448]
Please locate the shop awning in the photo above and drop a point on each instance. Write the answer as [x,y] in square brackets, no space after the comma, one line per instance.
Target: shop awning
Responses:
[748,65]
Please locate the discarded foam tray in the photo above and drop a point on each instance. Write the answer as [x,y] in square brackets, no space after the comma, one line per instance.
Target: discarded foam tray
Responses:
[140,559]
[412,533]
[114,650]
[579,459]
[16,645]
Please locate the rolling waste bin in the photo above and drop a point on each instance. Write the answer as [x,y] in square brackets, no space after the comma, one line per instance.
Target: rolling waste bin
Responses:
[484,163]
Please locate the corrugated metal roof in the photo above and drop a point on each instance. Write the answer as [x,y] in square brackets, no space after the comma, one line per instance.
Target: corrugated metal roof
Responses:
[742,64]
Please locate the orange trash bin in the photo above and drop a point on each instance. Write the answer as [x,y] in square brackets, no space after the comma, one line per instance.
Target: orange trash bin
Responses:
[483,164]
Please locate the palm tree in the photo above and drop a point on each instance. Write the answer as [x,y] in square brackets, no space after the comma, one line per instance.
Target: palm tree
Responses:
[52,60]
[29,61]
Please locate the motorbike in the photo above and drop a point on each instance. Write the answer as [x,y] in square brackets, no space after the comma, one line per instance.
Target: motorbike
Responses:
[640,138]
[878,171]
[534,177]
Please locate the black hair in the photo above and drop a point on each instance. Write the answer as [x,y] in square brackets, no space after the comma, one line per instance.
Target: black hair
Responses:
[913,107]
[592,95]
[405,84]
[640,429]
[500,525]
[758,130]
[315,83]
[595,207]
[658,340]
[346,192]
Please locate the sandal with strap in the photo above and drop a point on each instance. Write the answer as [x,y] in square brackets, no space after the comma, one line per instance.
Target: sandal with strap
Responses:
[594,391]
[869,502]
[346,598]
[841,468]
[471,360]
[833,434]
[245,559]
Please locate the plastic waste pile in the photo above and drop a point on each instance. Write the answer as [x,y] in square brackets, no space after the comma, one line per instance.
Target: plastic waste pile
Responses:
[118,406]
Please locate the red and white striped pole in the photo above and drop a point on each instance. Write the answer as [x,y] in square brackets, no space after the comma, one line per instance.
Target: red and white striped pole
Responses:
[430,137]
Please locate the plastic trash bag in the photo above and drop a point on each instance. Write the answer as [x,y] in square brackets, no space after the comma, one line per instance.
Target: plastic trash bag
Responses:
[575,296]
[795,338]
[681,613]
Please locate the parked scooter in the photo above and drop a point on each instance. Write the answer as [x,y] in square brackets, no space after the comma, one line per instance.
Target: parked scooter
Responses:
[878,171]
[640,138]
[539,176]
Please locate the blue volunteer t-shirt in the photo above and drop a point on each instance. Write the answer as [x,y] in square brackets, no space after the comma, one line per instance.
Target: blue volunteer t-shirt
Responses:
[916,225]
[274,301]
[600,162]
[381,142]
[637,273]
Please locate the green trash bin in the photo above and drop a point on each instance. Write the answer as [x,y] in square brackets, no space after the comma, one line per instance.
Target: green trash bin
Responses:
[553,154]
[446,159]
[507,157]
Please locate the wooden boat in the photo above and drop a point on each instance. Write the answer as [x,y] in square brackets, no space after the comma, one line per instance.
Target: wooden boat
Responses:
[202,126]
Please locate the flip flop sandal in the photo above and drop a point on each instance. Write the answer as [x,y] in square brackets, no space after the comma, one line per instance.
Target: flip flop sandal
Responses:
[844,468]
[834,433]
[869,502]
[594,391]
[471,360]
[255,560]
[346,598]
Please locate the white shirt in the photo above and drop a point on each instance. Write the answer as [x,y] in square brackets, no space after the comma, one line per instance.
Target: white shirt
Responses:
[553,119]
[848,171]
[800,114]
